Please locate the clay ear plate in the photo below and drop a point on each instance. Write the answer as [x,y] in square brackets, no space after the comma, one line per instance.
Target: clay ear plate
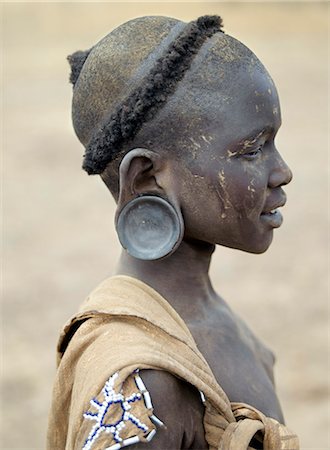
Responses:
[149,228]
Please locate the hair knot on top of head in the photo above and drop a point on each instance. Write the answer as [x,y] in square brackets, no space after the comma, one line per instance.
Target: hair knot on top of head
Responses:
[123,122]
[76,61]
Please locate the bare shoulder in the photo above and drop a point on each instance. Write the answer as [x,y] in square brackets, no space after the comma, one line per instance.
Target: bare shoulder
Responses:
[178,405]
[262,352]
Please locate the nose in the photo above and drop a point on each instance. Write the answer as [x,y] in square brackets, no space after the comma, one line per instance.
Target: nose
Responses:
[280,174]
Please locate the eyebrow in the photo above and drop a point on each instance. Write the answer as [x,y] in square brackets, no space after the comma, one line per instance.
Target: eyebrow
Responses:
[248,141]
[256,134]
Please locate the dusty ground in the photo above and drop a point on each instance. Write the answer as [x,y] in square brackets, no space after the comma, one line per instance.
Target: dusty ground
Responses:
[59,235]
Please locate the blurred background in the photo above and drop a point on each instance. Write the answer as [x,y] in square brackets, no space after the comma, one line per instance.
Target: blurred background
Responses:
[58,222]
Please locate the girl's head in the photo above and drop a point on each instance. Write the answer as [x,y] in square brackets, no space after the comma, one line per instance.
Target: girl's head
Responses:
[188,113]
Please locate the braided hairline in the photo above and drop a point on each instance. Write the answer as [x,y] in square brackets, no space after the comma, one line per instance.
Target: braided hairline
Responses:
[150,96]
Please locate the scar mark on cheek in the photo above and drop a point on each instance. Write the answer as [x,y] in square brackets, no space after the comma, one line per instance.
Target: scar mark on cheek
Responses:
[207,139]
[251,187]
[269,91]
[222,191]
[251,207]
[249,199]
[222,178]
[231,154]
[196,144]
[257,108]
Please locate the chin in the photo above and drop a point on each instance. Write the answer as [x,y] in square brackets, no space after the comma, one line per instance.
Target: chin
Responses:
[256,246]
[257,251]
[259,247]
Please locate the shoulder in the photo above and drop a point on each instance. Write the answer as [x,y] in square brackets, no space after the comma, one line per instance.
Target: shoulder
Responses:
[151,409]
[262,352]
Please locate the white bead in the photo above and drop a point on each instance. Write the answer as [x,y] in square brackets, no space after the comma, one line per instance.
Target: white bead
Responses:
[151,435]
[147,399]
[157,421]
[140,383]
[114,447]
[131,440]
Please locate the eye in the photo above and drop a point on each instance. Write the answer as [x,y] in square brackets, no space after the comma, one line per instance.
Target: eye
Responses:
[253,153]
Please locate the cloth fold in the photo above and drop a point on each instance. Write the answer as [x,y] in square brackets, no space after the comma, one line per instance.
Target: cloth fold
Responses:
[126,325]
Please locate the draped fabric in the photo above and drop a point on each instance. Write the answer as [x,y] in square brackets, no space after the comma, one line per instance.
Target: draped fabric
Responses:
[125,325]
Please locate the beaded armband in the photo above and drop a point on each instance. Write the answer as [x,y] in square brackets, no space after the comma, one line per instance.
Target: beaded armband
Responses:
[122,416]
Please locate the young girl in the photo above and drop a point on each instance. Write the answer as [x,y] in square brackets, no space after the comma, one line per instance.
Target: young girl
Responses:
[179,120]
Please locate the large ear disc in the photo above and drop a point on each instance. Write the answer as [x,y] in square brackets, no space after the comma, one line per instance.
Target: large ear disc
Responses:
[150,228]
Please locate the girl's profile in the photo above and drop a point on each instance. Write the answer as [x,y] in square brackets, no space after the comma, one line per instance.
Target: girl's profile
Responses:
[179,120]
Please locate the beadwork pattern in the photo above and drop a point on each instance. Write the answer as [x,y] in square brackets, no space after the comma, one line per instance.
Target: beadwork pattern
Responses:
[111,397]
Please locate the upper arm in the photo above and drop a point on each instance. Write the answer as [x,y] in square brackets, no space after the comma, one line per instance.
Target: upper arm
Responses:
[179,406]
[133,413]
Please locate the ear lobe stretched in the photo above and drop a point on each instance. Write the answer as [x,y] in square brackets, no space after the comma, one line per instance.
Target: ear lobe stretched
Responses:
[148,219]
[149,227]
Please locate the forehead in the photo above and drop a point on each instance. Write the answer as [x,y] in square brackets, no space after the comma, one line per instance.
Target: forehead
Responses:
[223,117]
[243,94]
[251,104]
[227,90]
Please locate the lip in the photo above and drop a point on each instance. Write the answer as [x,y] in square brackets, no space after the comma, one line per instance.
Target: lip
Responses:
[274,220]
[274,205]
[271,215]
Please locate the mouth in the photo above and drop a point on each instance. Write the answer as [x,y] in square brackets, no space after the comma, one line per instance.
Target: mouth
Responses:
[272,216]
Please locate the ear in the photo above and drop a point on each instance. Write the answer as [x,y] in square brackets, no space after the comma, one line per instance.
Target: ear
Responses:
[143,171]
[137,174]
[148,219]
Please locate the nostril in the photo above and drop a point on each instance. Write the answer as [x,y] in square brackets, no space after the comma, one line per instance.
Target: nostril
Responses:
[289,176]
[286,172]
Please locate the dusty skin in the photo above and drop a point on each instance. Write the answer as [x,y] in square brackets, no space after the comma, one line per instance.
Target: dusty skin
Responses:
[59,235]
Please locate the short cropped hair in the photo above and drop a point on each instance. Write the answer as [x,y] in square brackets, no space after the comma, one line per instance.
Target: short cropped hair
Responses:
[154,82]
[143,103]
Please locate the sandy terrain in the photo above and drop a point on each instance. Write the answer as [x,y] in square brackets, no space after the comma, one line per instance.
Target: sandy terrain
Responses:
[58,222]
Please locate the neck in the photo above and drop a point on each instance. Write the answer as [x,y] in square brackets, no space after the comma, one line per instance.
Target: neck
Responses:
[182,278]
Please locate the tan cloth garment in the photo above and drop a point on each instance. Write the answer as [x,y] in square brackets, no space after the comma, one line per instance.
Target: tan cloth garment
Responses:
[124,325]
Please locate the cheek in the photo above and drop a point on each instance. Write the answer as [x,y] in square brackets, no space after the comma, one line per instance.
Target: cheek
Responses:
[241,192]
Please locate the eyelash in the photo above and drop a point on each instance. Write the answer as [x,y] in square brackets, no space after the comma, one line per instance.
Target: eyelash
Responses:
[254,153]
